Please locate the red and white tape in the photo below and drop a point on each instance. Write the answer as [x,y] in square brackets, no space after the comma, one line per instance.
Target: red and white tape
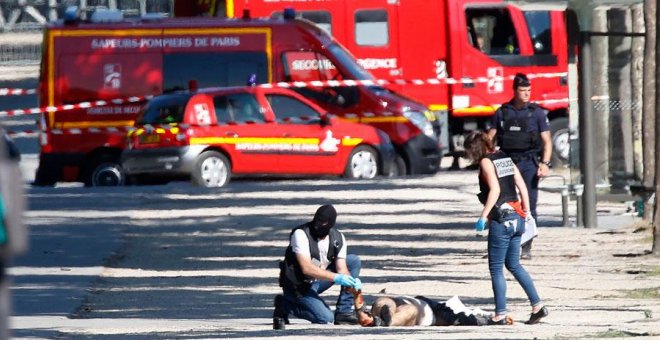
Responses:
[16,92]
[331,83]
[71,131]
[66,107]
[320,83]
[296,84]
[430,81]
[23,133]
[79,131]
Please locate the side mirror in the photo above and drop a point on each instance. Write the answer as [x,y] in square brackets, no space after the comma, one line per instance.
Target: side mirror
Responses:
[325,120]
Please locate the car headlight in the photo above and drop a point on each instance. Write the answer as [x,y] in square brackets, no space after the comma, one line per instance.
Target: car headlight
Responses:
[420,121]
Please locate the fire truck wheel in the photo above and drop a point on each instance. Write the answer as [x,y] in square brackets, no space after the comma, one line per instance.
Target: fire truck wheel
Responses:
[363,163]
[400,166]
[561,143]
[212,170]
[105,173]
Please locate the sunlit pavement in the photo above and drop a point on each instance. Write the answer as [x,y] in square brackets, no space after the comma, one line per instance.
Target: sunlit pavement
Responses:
[176,261]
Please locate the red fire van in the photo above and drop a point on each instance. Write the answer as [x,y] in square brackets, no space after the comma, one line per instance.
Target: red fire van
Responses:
[210,134]
[113,57]
[472,47]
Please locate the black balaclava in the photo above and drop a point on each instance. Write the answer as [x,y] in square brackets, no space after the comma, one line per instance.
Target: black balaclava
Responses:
[323,221]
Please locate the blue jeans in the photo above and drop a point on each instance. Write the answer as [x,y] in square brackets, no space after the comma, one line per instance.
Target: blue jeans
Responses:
[528,170]
[504,250]
[311,306]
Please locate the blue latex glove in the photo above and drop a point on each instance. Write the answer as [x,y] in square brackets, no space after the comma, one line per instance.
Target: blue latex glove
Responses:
[358,284]
[345,280]
[481,224]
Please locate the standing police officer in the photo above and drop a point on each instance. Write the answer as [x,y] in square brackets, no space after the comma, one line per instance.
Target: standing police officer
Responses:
[315,260]
[523,132]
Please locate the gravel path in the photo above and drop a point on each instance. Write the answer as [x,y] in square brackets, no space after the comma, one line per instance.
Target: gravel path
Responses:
[179,262]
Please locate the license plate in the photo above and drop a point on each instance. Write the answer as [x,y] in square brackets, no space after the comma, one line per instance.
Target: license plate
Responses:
[149,139]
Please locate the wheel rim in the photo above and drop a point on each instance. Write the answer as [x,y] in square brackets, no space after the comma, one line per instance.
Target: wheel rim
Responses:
[562,145]
[364,165]
[107,176]
[214,172]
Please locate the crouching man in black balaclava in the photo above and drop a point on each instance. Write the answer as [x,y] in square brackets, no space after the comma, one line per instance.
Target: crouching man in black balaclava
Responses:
[314,261]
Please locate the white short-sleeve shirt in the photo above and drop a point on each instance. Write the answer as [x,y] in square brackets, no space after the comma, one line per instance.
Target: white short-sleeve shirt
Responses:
[300,245]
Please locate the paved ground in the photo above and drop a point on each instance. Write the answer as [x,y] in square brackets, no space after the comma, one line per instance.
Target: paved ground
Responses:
[179,262]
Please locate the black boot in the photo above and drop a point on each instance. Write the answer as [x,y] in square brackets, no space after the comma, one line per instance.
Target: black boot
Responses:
[280,317]
[346,319]
[535,317]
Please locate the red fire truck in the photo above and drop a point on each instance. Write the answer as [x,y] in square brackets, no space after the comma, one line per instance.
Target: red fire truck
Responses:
[110,57]
[473,46]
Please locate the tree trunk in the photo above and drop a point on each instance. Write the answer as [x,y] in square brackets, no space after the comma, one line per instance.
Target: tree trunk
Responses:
[621,149]
[601,91]
[648,110]
[637,72]
[656,220]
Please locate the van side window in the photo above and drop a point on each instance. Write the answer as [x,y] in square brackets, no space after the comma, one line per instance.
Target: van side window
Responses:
[371,28]
[239,107]
[285,107]
[223,114]
[165,110]
[491,31]
[213,69]
[322,19]
[538,24]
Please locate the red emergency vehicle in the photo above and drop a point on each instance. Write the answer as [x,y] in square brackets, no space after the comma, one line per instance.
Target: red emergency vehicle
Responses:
[113,57]
[210,134]
[457,40]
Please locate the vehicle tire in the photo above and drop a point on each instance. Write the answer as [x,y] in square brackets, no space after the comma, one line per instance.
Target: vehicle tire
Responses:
[561,143]
[105,172]
[211,170]
[362,163]
[399,167]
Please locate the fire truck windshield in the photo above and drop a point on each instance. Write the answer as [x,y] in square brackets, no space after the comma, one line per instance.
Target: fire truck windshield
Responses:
[349,64]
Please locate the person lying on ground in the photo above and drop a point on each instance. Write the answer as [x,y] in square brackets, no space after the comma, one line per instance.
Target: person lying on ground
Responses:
[418,311]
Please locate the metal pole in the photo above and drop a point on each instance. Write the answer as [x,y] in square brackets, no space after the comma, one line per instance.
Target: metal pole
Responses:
[578,189]
[564,207]
[587,148]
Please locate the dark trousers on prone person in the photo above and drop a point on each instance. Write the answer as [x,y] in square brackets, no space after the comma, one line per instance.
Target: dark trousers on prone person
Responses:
[528,169]
[311,307]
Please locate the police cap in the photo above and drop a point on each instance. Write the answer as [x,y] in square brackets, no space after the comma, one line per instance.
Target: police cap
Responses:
[521,80]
